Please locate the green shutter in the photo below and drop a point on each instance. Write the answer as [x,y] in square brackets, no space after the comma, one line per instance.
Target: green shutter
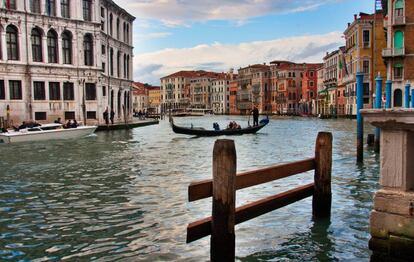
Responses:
[398,40]
[399,4]
[399,65]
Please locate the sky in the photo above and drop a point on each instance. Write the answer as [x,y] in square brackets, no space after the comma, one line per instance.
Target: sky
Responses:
[216,35]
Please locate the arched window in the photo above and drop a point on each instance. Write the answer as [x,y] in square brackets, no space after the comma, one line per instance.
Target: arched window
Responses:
[127,74]
[125,66]
[127,33]
[67,47]
[398,40]
[117,29]
[397,98]
[52,47]
[36,38]
[12,42]
[35,6]
[65,8]
[111,61]
[118,64]
[111,18]
[88,49]
[124,31]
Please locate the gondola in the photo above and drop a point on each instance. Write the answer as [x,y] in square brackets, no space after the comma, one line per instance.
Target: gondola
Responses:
[223,132]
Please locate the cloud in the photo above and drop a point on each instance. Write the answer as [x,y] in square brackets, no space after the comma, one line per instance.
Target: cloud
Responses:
[156,35]
[182,12]
[150,67]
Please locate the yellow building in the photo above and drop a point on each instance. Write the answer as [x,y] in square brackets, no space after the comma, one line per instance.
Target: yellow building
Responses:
[154,99]
[365,40]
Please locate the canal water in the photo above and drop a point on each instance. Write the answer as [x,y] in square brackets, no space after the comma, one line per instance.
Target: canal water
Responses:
[122,195]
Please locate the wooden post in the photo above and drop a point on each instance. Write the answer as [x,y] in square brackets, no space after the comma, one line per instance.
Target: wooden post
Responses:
[222,246]
[322,198]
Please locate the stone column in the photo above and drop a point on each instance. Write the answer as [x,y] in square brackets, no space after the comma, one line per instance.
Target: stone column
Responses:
[392,220]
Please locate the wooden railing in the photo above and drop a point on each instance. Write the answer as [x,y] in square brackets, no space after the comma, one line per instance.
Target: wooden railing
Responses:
[225,182]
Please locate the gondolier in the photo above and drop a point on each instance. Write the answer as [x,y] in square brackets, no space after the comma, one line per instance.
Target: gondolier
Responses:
[255,112]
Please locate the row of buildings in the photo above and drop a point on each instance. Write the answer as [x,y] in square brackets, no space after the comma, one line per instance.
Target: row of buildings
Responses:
[70,59]
[375,44]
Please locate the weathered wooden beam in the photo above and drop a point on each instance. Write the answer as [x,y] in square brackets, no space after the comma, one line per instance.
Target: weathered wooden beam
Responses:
[322,198]
[204,189]
[223,239]
[202,228]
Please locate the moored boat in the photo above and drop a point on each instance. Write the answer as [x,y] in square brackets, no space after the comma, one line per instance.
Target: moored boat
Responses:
[223,132]
[45,132]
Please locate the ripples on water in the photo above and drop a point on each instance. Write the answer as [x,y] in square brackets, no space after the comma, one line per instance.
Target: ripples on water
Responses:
[123,195]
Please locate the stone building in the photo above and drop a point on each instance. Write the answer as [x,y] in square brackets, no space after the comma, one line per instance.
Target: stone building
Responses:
[220,93]
[365,40]
[399,51]
[67,59]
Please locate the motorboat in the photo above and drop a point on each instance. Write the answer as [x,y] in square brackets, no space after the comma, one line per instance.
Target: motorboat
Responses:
[223,132]
[45,132]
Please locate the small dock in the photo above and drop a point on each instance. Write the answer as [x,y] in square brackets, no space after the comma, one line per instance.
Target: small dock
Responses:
[129,125]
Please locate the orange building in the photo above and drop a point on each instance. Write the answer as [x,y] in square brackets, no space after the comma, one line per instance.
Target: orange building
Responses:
[309,87]
[233,86]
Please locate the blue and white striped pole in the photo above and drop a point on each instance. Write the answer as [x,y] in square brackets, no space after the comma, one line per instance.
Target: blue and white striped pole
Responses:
[378,105]
[407,95]
[360,120]
[388,86]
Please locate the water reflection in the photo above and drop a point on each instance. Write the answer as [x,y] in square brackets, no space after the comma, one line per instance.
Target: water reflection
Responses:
[123,195]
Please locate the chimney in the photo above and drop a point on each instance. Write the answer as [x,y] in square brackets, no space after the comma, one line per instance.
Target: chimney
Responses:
[349,24]
[355,16]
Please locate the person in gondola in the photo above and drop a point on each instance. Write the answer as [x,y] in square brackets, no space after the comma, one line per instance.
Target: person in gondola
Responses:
[106,116]
[112,116]
[58,121]
[255,112]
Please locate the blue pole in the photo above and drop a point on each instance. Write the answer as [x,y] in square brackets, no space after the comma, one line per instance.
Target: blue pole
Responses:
[407,95]
[360,123]
[388,86]
[378,105]
[412,98]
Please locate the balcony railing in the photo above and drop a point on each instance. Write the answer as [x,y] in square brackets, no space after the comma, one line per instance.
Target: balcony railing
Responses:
[393,52]
[398,20]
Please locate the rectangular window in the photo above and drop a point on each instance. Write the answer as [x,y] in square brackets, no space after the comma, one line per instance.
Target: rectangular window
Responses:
[398,71]
[2,90]
[103,90]
[365,67]
[366,38]
[311,83]
[366,89]
[54,91]
[103,25]
[40,115]
[102,12]
[103,49]
[11,4]
[35,6]
[87,10]
[91,114]
[65,8]
[69,115]
[103,67]
[39,92]
[51,7]
[15,88]
[90,90]
[68,91]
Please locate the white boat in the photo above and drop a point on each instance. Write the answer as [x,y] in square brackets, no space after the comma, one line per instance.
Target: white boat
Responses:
[45,132]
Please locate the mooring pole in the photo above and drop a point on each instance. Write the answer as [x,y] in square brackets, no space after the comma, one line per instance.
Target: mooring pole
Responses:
[412,98]
[388,86]
[407,95]
[378,105]
[222,244]
[360,121]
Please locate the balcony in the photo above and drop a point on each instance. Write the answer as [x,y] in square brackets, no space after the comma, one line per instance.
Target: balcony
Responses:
[256,89]
[393,52]
[398,20]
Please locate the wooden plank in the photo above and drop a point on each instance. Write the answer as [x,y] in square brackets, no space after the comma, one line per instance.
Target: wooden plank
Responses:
[223,239]
[322,199]
[204,189]
[202,228]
